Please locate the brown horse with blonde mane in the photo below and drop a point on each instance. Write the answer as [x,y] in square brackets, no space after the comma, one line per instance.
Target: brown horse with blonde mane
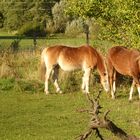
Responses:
[70,59]
[126,62]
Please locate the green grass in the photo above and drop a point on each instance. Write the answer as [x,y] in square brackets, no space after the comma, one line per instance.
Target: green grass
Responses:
[5,33]
[35,116]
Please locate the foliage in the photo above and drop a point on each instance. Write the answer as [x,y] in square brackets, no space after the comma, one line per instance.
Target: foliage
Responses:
[32,29]
[59,18]
[7,84]
[116,20]
[16,14]
[19,66]
[14,46]
[119,20]
[74,28]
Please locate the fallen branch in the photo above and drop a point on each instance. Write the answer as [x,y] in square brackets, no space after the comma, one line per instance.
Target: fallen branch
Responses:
[97,122]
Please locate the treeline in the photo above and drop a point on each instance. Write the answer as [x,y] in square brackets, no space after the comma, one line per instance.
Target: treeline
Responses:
[113,20]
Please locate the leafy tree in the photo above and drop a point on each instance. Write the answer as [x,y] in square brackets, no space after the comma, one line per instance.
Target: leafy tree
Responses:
[17,13]
[12,12]
[119,20]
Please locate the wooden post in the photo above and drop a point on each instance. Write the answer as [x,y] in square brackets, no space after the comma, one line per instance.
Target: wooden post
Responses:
[35,42]
[86,31]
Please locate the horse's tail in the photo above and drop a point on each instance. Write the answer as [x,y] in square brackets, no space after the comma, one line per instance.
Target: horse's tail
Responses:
[42,65]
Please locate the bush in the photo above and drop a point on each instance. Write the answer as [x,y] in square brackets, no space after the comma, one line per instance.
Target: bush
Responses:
[74,28]
[32,29]
[14,46]
[59,17]
[20,85]
[7,84]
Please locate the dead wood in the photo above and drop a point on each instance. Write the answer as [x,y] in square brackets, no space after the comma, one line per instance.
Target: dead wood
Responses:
[101,121]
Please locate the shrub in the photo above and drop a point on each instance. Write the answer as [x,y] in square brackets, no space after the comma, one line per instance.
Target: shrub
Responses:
[59,17]
[50,27]
[6,84]
[74,28]
[14,46]
[32,29]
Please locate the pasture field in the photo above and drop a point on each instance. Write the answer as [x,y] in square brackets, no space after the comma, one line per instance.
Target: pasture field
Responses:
[26,113]
[32,115]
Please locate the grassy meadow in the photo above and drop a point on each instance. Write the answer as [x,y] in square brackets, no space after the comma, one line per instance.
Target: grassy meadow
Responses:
[26,113]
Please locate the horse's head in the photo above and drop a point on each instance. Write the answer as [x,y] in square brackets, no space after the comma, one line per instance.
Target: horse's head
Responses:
[104,78]
[105,81]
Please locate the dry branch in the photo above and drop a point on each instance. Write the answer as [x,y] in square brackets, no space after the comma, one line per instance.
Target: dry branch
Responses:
[97,122]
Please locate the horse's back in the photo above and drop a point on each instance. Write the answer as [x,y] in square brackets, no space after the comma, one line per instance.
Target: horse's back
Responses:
[123,51]
[123,59]
[120,59]
[71,57]
[117,50]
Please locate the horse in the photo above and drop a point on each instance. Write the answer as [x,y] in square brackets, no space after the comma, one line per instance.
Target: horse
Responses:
[126,62]
[69,59]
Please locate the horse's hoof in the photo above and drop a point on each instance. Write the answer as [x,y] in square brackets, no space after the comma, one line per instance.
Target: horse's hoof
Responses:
[130,100]
[46,92]
[59,91]
[87,92]
[83,91]
[113,98]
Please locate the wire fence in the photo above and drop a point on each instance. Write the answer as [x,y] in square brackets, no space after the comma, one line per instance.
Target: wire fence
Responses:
[12,43]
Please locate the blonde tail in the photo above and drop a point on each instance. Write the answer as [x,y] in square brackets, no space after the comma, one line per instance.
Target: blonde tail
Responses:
[42,70]
[42,65]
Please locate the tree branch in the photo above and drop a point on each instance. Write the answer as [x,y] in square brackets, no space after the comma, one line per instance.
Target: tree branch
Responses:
[97,122]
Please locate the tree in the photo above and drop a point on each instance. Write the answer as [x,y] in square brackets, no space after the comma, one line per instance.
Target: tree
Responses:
[13,13]
[119,20]
[17,13]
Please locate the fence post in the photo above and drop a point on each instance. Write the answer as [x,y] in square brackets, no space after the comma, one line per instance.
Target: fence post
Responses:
[86,31]
[35,42]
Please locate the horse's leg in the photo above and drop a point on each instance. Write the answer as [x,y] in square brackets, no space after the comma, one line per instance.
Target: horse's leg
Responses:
[111,78]
[55,79]
[85,84]
[131,90]
[114,81]
[47,76]
[138,88]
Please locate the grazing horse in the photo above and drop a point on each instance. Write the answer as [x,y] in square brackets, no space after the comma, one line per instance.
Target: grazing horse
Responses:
[70,59]
[126,62]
